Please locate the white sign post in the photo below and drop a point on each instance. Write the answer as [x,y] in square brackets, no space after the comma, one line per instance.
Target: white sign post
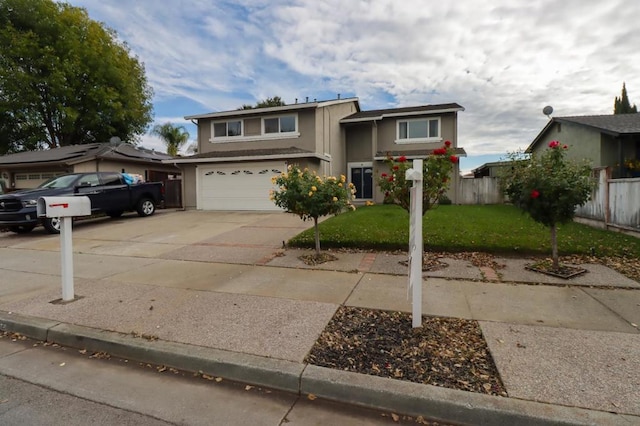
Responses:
[65,209]
[415,242]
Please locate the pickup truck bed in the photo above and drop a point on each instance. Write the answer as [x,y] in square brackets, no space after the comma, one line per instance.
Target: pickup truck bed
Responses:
[108,191]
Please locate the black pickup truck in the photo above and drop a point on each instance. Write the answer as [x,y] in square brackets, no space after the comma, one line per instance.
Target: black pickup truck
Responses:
[109,193]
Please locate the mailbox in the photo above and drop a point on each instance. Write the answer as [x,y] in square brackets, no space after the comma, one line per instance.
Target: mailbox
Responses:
[64,206]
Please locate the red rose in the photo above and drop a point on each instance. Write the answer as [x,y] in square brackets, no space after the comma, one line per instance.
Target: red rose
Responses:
[390,179]
[535,194]
[565,147]
[439,151]
[554,144]
[386,194]
[447,143]
[384,175]
[453,159]
[396,167]
[402,159]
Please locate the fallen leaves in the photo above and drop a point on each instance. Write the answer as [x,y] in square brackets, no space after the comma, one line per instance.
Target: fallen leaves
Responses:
[446,352]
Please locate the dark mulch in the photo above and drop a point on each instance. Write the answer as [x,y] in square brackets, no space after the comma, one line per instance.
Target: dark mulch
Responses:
[446,352]
[317,259]
[561,271]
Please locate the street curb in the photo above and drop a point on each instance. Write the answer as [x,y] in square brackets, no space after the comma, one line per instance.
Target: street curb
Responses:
[442,404]
[431,402]
[36,328]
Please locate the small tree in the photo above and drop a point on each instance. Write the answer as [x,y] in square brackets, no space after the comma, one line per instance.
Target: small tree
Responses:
[621,105]
[310,196]
[436,178]
[275,101]
[174,137]
[549,188]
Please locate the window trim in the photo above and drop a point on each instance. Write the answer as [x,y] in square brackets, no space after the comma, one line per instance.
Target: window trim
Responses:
[227,138]
[418,140]
[279,133]
[262,136]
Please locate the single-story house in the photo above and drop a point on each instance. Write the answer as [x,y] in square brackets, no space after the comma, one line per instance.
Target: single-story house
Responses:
[605,140]
[489,169]
[29,169]
[240,150]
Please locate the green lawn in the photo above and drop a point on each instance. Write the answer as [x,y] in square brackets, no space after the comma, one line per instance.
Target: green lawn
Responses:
[493,229]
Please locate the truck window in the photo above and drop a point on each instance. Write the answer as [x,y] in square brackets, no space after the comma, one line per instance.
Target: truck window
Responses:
[89,180]
[111,179]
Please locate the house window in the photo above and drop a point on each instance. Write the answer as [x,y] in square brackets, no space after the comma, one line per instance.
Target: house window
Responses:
[227,129]
[418,130]
[284,124]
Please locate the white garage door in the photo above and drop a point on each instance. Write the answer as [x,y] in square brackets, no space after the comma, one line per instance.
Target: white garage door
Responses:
[237,186]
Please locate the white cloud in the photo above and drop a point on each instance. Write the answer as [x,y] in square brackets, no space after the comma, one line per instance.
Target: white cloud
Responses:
[502,60]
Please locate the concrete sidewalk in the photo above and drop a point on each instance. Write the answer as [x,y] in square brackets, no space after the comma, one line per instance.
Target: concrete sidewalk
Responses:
[568,351]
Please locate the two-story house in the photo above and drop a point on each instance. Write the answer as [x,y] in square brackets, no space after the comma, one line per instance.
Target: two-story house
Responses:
[239,151]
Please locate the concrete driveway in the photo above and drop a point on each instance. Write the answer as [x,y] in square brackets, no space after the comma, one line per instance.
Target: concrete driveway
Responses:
[236,237]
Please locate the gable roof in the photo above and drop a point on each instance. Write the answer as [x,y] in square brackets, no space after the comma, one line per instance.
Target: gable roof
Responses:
[379,114]
[270,110]
[612,124]
[74,154]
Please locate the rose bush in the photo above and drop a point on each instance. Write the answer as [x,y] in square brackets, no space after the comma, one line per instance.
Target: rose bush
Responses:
[437,169]
[548,187]
[310,196]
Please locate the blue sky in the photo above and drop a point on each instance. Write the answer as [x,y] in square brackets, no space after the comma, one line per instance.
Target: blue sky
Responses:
[502,60]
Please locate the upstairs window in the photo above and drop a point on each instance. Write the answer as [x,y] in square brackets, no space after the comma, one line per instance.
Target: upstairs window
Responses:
[226,129]
[283,124]
[418,130]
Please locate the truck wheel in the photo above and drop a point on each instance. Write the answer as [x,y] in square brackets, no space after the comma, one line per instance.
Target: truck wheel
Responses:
[52,225]
[146,207]
[115,213]
[22,229]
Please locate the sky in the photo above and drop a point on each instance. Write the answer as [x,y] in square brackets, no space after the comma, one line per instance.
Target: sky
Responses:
[502,60]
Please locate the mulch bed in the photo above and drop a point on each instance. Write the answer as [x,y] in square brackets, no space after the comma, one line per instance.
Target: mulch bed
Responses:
[446,352]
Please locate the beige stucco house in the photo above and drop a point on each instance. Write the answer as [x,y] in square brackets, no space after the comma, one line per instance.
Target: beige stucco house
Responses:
[605,140]
[239,151]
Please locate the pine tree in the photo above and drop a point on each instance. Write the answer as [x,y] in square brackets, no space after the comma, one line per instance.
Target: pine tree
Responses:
[622,105]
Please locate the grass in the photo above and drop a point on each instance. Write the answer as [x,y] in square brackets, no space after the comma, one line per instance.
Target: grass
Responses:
[499,229]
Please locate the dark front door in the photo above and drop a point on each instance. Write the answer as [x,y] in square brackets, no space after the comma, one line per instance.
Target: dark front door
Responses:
[362,179]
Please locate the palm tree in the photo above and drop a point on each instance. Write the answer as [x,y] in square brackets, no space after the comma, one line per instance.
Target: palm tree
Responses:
[173,136]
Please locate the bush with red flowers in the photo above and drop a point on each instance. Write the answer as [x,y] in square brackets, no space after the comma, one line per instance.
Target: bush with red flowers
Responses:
[436,178]
[548,187]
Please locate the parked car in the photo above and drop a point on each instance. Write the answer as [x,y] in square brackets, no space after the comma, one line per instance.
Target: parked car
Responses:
[109,193]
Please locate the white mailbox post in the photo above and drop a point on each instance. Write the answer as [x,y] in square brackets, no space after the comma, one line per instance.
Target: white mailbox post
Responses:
[415,242]
[65,208]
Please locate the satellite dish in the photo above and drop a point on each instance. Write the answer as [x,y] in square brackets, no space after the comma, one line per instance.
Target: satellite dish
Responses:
[547,110]
[115,140]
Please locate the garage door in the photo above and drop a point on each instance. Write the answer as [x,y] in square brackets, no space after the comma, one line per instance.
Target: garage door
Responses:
[237,186]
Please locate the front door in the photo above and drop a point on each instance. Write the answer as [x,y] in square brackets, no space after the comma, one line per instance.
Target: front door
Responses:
[361,175]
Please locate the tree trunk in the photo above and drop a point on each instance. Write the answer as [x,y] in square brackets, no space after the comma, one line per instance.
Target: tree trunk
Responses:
[554,247]
[317,231]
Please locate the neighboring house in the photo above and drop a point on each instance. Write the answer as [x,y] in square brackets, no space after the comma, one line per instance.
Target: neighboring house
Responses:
[29,169]
[605,140]
[239,151]
[489,169]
